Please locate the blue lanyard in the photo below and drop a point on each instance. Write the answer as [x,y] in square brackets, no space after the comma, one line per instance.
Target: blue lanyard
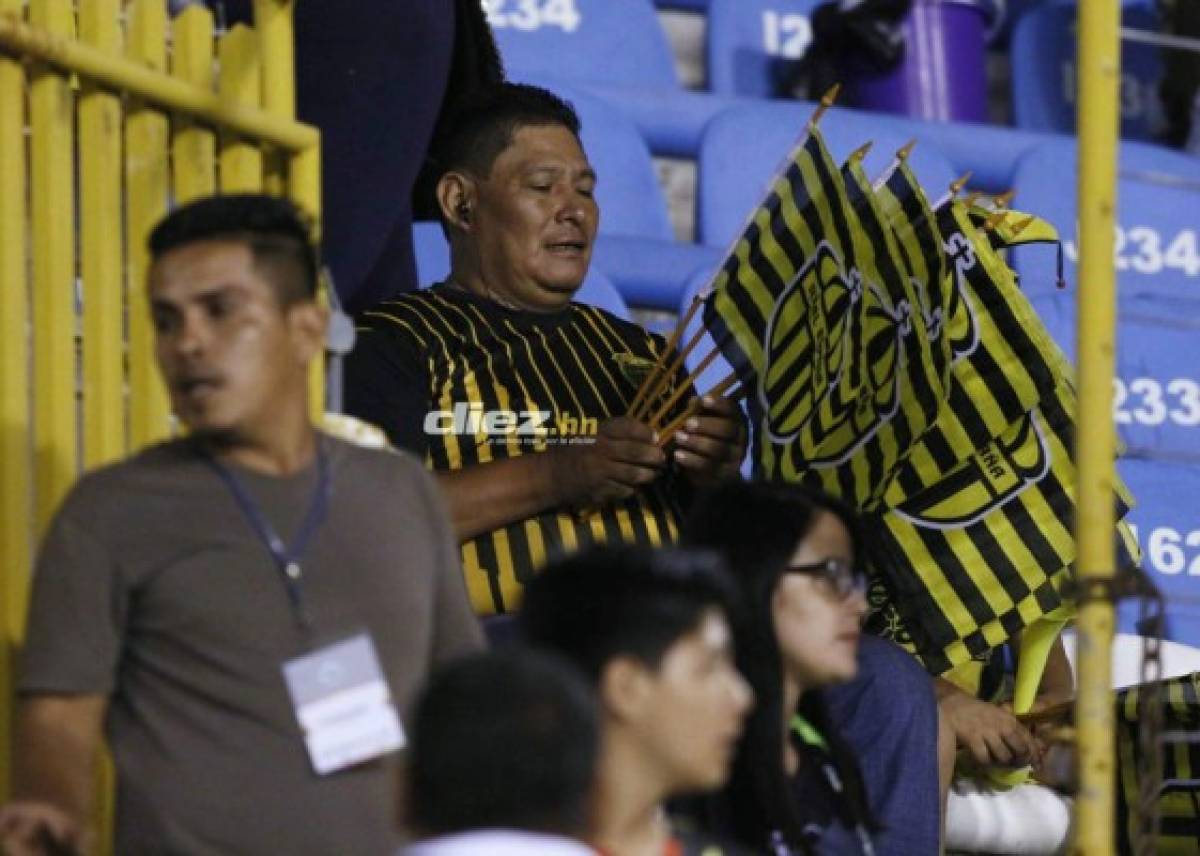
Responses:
[287,556]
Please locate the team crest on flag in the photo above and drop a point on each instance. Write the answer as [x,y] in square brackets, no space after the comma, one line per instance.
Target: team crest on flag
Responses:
[995,475]
[823,314]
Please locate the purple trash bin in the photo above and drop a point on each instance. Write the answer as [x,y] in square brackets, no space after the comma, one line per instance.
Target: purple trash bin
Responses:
[943,76]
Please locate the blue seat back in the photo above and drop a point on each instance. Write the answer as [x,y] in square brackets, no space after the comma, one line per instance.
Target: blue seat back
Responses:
[433,265]
[1158,197]
[744,147]
[752,45]
[1167,521]
[1044,70]
[631,199]
[597,41]
[1156,394]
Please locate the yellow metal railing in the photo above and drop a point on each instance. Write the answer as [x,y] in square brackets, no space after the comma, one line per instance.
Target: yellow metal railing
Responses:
[1099,80]
[109,113]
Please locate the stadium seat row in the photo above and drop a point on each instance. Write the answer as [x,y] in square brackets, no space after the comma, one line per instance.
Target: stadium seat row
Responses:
[752,47]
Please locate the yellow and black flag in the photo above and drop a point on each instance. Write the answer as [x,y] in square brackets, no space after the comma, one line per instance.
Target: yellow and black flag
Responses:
[980,515]
[1179,795]
[1003,361]
[892,360]
[811,311]
[987,550]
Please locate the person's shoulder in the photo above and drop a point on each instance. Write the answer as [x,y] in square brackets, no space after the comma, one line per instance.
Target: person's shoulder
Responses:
[162,458]
[405,312]
[429,318]
[363,449]
[113,488]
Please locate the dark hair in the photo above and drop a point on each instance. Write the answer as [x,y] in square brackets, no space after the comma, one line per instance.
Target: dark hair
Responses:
[609,602]
[276,231]
[503,739]
[474,64]
[757,527]
[483,124]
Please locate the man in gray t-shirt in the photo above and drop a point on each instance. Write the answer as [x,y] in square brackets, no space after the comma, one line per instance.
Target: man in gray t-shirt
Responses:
[244,614]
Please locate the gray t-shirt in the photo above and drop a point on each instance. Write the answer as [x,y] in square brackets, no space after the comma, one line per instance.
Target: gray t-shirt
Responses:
[153,589]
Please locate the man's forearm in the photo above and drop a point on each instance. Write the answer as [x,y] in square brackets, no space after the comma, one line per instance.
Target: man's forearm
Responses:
[487,496]
[58,738]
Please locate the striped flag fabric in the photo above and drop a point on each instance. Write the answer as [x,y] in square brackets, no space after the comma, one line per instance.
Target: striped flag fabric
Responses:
[811,311]
[892,360]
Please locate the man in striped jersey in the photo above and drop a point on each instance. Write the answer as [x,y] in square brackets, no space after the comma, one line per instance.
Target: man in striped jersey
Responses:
[515,395]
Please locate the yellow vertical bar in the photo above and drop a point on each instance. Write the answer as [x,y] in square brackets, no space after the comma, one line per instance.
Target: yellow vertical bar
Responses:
[193,148]
[240,83]
[146,190]
[1099,76]
[16,483]
[51,108]
[273,21]
[102,291]
[100,243]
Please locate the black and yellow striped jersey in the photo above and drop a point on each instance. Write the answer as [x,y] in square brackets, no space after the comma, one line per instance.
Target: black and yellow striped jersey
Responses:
[463,381]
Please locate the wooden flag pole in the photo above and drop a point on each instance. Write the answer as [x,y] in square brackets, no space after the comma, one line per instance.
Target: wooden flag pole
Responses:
[652,377]
[665,375]
[665,435]
[827,101]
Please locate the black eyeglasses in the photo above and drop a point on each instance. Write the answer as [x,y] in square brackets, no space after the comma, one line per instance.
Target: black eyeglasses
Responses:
[842,577]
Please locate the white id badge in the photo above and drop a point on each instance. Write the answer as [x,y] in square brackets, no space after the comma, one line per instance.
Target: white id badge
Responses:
[343,704]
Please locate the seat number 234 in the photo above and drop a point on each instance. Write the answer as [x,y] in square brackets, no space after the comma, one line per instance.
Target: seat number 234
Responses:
[533,14]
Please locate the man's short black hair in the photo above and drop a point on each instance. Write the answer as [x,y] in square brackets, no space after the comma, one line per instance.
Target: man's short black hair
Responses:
[503,739]
[278,234]
[597,605]
[483,124]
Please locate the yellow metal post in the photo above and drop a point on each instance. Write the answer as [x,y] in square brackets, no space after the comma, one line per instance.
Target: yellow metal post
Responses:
[240,83]
[146,189]
[51,107]
[141,79]
[273,22]
[100,242]
[16,483]
[1099,76]
[193,148]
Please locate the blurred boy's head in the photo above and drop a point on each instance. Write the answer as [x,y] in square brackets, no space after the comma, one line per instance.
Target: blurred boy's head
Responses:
[651,630]
[503,740]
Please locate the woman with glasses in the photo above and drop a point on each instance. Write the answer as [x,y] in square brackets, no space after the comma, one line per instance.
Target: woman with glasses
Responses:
[797,785]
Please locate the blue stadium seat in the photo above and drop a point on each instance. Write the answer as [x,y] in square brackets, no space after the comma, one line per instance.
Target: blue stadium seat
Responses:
[1158,194]
[631,199]
[1043,70]
[599,41]
[637,248]
[616,49]
[743,149]
[1157,387]
[433,265]
[753,44]
[1167,520]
